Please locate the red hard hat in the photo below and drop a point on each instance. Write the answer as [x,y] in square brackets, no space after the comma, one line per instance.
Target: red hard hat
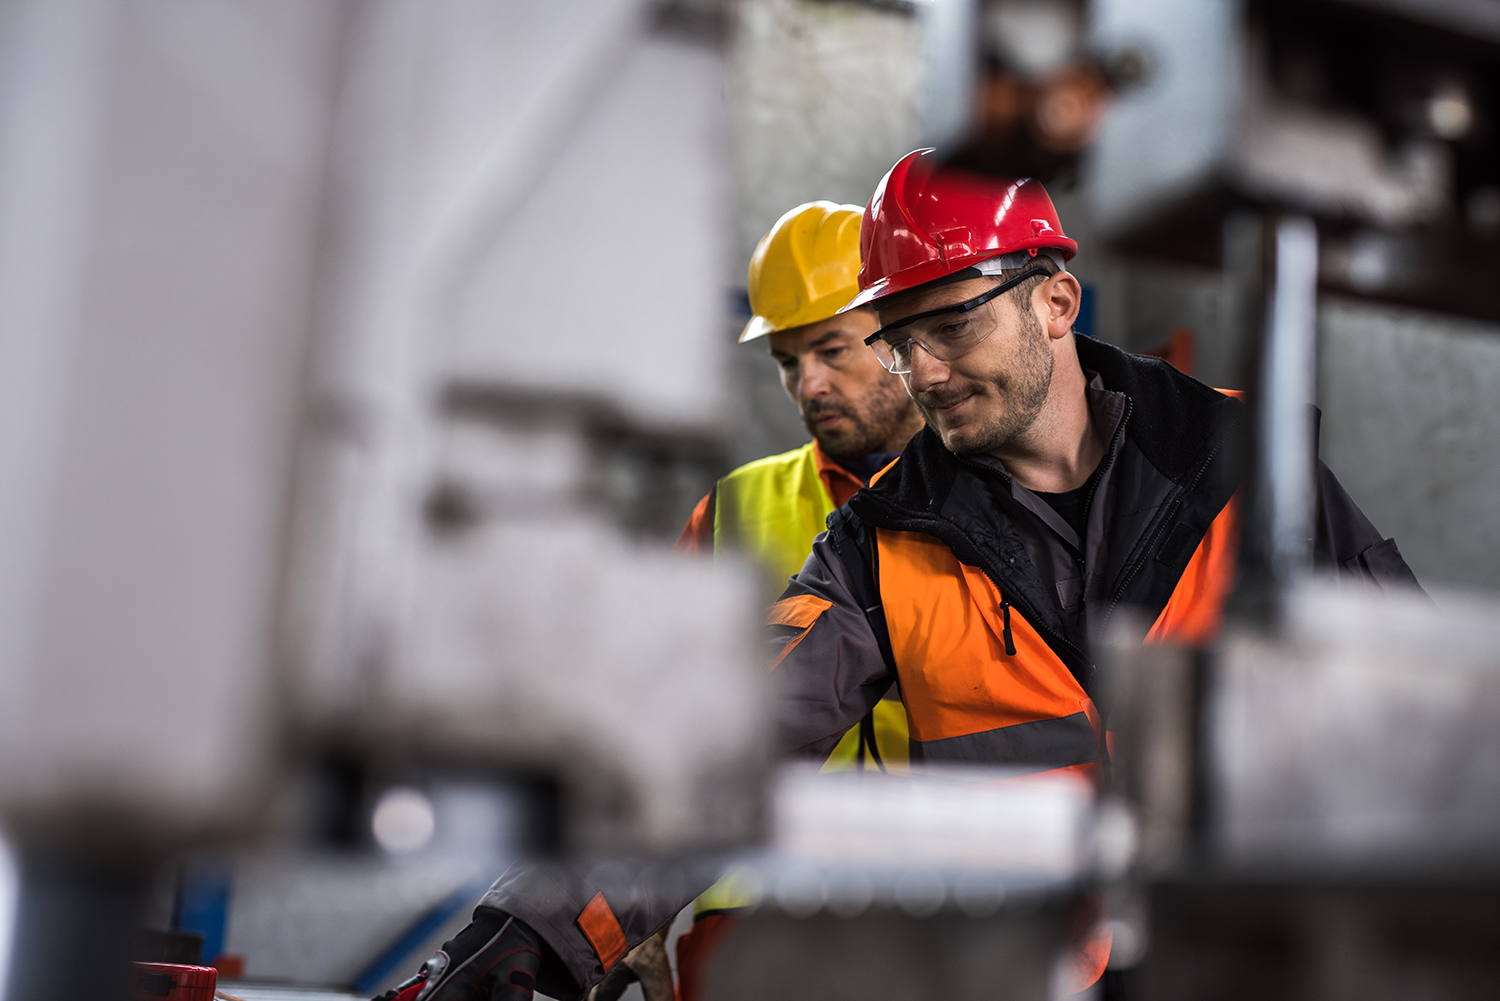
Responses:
[925,222]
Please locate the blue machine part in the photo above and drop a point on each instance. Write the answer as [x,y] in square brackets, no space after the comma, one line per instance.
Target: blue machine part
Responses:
[1085,322]
[400,951]
[202,903]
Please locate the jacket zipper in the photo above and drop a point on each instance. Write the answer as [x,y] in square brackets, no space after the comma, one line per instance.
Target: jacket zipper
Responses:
[1114,441]
[1054,639]
[1161,524]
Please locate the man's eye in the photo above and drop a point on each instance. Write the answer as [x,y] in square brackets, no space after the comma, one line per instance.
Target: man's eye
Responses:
[833,353]
[951,330]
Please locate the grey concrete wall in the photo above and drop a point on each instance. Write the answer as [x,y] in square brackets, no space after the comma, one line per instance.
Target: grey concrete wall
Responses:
[1411,426]
[824,97]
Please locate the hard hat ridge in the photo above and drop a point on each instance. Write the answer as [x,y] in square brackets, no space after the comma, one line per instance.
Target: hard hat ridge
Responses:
[925,222]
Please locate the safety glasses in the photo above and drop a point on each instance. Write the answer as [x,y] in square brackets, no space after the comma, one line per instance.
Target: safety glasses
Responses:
[946,334]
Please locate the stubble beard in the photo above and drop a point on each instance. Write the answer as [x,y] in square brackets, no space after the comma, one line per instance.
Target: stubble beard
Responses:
[874,419]
[1023,388]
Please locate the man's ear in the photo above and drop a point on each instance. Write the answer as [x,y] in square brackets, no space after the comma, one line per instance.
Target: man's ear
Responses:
[1061,298]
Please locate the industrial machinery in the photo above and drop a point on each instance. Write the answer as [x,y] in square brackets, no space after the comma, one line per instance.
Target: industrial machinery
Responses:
[1317,794]
[333,458]
[1319,791]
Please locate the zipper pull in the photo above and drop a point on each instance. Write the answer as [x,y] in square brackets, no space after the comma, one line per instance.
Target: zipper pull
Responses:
[1010,643]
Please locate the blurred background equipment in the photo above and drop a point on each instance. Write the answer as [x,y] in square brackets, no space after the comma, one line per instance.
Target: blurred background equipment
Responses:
[1376,118]
[1318,793]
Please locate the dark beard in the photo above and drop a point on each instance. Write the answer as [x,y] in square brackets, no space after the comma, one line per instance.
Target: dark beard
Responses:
[877,417]
[1027,385]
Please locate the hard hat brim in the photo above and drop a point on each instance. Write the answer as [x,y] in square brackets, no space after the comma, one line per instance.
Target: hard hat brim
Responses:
[757,328]
[816,312]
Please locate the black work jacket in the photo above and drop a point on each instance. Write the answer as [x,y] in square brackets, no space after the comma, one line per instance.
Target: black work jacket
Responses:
[1173,466]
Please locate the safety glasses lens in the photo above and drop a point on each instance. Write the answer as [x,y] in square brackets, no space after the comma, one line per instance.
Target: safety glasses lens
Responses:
[895,357]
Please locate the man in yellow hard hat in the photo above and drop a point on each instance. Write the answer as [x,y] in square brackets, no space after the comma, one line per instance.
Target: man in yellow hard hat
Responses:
[860,417]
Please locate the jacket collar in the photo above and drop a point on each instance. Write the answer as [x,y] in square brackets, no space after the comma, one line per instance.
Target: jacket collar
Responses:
[838,481]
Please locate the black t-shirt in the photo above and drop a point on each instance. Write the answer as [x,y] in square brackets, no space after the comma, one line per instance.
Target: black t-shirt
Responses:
[1072,505]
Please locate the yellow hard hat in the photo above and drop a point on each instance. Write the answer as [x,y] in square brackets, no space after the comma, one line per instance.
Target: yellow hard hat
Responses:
[805,269]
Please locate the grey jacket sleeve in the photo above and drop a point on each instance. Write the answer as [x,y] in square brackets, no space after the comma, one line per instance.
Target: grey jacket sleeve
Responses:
[1346,542]
[551,899]
[828,673]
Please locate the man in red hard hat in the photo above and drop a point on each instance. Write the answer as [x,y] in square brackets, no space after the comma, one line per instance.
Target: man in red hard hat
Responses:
[1059,480]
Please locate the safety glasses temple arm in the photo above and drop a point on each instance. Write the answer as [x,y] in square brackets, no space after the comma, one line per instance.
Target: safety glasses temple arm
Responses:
[962,307]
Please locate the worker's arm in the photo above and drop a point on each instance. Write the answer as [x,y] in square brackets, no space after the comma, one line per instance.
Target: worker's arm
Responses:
[1347,542]
[494,958]
[589,917]
[559,929]
[827,665]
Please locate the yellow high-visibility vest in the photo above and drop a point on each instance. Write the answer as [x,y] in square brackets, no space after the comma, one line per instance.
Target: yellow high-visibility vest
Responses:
[771,510]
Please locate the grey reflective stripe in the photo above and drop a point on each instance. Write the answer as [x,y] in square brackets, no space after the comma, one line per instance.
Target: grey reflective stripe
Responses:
[1042,744]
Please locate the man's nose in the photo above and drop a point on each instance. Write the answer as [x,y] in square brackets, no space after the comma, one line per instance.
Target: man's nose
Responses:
[814,380]
[926,371]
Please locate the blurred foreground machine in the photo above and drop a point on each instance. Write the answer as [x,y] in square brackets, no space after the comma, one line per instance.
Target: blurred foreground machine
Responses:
[1320,803]
[328,446]
[328,449]
[951,882]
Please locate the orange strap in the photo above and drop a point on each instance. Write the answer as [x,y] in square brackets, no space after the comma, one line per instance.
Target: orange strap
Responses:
[695,948]
[600,927]
[1090,957]
[799,611]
